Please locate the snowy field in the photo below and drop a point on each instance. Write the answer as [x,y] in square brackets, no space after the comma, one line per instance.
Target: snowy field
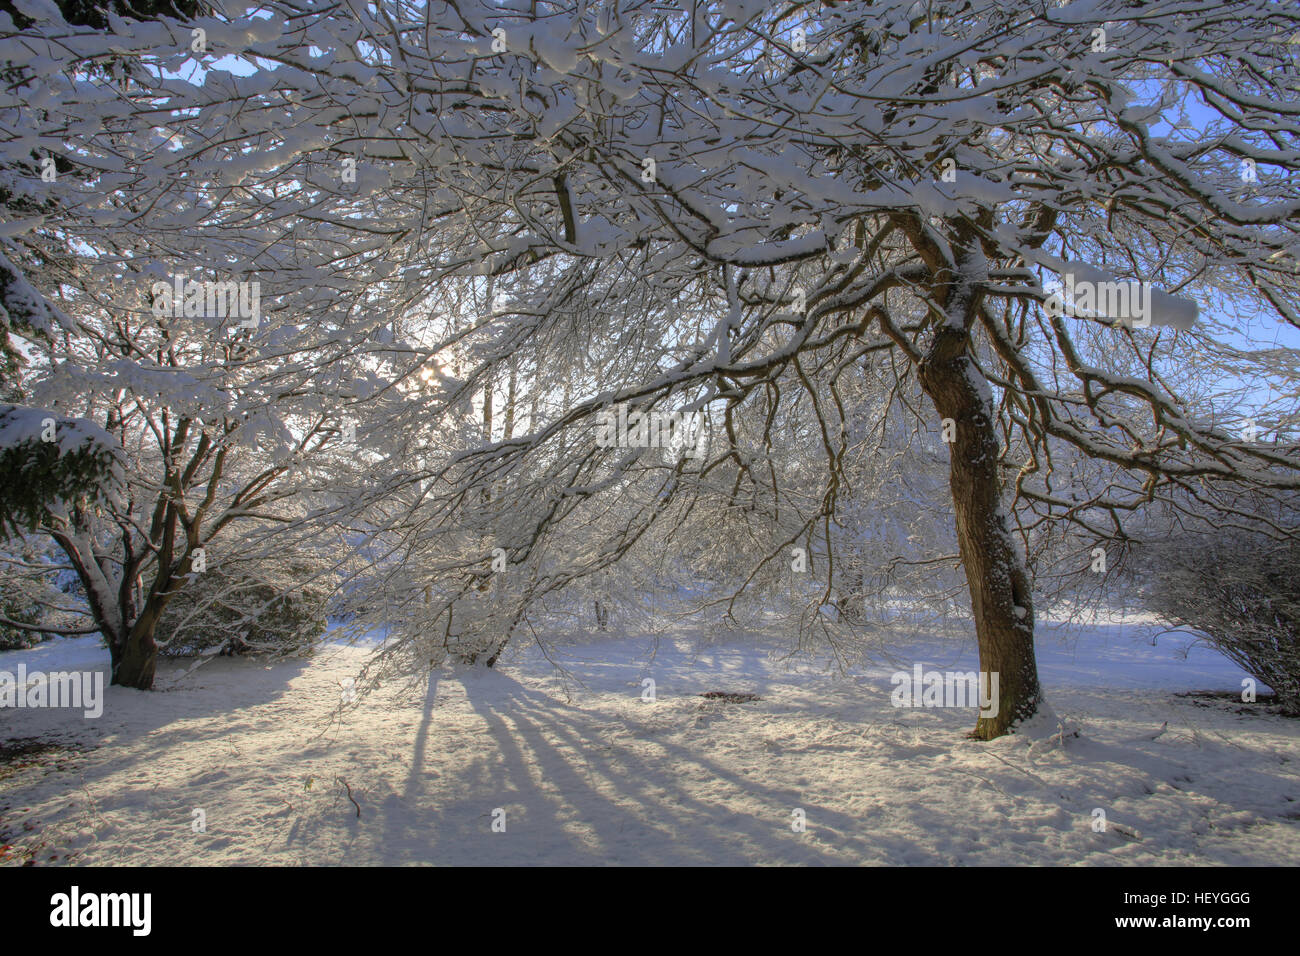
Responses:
[589,773]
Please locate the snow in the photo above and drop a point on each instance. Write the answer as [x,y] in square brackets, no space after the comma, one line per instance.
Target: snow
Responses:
[19,299]
[589,773]
[23,426]
[770,175]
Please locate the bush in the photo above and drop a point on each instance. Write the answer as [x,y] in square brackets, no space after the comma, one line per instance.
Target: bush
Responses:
[12,638]
[1242,590]
[28,595]
[232,612]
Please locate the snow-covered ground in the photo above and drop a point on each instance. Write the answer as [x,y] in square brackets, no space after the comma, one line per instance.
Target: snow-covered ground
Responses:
[588,772]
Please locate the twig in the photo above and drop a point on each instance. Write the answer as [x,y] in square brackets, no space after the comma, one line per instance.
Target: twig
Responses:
[1031,776]
[1125,831]
[350,797]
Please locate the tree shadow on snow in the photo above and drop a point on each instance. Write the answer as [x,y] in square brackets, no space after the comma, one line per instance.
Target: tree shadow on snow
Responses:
[571,795]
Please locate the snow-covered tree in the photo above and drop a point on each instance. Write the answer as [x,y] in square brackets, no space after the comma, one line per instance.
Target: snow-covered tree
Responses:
[726,207]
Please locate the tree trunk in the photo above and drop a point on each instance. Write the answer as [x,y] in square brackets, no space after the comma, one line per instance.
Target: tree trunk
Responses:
[512,395]
[136,657]
[996,571]
[496,654]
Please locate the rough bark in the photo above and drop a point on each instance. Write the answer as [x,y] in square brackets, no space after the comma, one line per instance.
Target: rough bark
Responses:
[135,656]
[135,659]
[996,572]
